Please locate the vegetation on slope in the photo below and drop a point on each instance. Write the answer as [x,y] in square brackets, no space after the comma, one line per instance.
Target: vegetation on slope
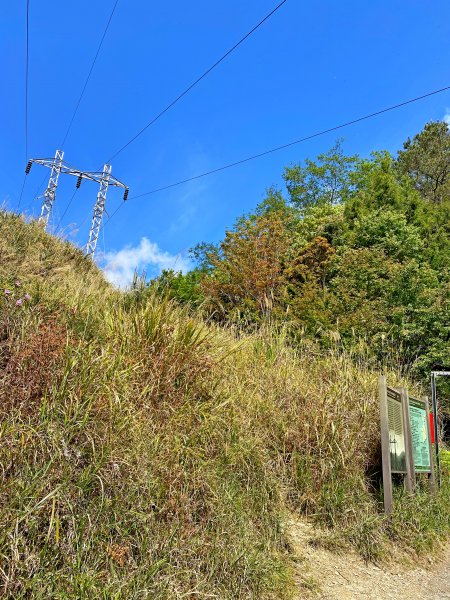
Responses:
[145,454]
[355,251]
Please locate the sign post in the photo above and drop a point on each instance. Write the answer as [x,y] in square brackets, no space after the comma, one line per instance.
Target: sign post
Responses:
[435,424]
[385,446]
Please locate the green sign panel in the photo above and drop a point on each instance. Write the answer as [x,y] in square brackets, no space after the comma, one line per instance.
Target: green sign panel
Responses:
[419,435]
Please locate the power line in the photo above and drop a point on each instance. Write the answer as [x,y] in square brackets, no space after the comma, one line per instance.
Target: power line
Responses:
[299,141]
[192,85]
[26,98]
[66,209]
[89,74]
[21,192]
[26,86]
[78,102]
[40,186]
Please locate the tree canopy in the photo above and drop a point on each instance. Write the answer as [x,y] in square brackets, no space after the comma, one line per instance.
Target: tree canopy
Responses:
[354,252]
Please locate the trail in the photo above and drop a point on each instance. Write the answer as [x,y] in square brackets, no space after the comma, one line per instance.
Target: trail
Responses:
[347,577]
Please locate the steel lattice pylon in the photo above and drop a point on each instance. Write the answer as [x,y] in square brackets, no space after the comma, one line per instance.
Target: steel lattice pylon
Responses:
[99,209]
[50,192]
[104,178]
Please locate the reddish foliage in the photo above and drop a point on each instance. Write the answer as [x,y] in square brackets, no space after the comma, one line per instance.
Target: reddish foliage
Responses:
[26,372]
[250,265]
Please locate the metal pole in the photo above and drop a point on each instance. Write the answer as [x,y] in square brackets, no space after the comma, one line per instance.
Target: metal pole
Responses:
[431,478]
[435,426]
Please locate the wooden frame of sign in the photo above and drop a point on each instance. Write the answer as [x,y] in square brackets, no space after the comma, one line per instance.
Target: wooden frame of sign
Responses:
[410,478]
[396,450]
[385,458]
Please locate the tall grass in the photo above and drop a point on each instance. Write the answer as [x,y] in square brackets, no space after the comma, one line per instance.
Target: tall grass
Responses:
[146,455]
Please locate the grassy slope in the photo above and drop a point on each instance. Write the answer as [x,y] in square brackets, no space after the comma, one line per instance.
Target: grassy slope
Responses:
[145,455]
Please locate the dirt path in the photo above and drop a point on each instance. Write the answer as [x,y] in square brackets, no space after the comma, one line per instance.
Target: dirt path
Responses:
[346,577]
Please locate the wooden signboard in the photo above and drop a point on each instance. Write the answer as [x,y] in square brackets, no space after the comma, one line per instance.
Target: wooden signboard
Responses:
[405,438]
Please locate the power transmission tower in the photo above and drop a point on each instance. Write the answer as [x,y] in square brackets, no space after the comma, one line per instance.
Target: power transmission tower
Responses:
[106,180]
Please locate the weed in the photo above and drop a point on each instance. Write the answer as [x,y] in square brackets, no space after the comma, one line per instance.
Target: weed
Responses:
[145,454]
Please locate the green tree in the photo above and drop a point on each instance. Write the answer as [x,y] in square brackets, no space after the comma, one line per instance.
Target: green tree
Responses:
[425,160]
[183,288]
[387,230]
[204,255]
[377,185]
[327,181]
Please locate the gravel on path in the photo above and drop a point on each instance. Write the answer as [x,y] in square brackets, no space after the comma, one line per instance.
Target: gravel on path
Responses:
[324,575]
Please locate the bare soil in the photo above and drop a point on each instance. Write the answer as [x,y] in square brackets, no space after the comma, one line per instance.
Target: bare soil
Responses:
[325,575]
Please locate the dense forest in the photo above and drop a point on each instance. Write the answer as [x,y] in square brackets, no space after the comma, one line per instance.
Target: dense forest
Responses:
[354,253]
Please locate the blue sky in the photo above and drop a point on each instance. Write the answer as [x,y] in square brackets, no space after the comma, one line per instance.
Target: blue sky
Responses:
[311,66]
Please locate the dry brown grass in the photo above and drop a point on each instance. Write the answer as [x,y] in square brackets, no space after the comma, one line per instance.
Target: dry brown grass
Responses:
[28,366]
[161,455]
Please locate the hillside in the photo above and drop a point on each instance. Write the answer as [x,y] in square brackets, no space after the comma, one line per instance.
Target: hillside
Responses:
[145,454]
[351,251]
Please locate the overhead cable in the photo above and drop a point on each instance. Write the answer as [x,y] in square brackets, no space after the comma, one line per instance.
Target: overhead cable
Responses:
[67,208]
[89,74]
[26,83]
[193,84]
[289,144]
[299,141]
[26,96]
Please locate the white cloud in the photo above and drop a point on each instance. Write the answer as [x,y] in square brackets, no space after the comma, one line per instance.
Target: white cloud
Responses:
[121,265]
[447,116]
